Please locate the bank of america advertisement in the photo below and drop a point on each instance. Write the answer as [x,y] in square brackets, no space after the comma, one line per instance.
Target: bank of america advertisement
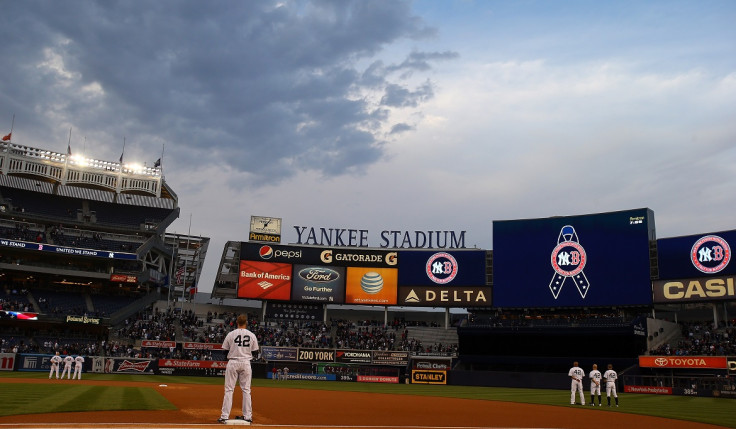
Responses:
[371,286]
[315,283]
[264,280]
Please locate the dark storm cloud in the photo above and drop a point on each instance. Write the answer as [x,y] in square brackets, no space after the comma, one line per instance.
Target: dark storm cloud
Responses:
[268,87]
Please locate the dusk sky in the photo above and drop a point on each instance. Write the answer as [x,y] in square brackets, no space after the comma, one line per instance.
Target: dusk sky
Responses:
[389,115]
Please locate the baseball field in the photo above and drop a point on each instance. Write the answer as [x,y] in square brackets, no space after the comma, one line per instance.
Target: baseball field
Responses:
[31,400]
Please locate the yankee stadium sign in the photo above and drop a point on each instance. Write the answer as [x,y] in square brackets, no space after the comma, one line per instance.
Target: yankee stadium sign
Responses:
[342,237]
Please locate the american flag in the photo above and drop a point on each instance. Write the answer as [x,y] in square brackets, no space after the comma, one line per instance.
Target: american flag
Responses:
[180,275]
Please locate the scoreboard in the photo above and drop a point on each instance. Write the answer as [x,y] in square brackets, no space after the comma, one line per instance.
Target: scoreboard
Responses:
[573,261]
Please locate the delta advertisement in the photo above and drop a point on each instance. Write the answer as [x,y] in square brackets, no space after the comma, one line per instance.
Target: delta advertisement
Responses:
[573,261]
[443,279]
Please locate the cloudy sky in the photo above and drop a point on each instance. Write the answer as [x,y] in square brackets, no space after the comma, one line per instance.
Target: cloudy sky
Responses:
[389,115]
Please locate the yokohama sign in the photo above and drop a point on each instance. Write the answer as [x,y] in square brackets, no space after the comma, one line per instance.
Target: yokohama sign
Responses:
[688,362]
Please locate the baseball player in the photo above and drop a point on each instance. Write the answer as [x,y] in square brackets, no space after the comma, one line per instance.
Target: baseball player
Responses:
[68,360]
[55,361]
[610,376]
[78,361]
[576,376]
[242,347]
[595,385]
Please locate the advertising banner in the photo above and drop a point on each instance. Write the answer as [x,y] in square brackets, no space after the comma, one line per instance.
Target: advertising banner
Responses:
[390,358]
[342,257]
[301,311]
[687,362]
[34,362]
[264,280]
[279,253]
[123,278]
[441,296]
[158,344]
[201,346]
[377,379]
[692,256]
[125,365]
[191,367]
[270,353]
[316,355]
[371,286]
[573,261]
[7,361]
[443,268]
[353,356]
[315,283]
[717,288]
[63,250]
[655,390]
[428,377]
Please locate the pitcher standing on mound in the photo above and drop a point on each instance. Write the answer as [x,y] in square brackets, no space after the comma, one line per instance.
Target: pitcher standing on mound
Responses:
[242,347]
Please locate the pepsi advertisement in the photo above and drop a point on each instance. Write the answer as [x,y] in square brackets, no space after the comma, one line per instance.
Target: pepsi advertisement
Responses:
[346,257]
[573,261]
[442,268]
[693,256]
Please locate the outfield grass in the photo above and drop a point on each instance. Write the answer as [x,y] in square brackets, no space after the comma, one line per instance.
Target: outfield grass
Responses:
[23,398]
[32,399]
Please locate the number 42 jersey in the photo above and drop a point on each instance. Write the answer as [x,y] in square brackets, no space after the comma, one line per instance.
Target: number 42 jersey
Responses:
[240,344]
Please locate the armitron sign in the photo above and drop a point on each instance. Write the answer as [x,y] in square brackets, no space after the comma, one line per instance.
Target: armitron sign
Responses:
[687,362]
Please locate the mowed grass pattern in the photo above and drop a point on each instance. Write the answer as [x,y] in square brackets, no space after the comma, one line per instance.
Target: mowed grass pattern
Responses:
[21,398]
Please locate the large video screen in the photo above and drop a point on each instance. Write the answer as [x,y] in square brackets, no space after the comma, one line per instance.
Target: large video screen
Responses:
[442,268]
[573,261]
[692,256]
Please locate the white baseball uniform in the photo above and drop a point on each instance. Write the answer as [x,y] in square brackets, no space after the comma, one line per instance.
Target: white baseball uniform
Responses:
[55,361]
[595,382]
[240,344]
[576,375]
[67,367]
[595,386]
[610,376]
[78,361]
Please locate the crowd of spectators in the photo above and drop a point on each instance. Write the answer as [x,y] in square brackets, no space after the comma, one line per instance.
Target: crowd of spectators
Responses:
[701,339]
[150,325]
[541,318]
[15,300]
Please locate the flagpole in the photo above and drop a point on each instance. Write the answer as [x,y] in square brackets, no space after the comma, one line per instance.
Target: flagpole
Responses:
[69,143]
[171,270]
[184,286]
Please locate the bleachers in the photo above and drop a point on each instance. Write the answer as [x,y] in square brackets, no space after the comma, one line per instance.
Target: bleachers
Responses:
[60,303]
[106,305]
[41,204]
[130,216]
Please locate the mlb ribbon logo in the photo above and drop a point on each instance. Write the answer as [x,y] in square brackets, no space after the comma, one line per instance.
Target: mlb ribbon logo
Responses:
[568,260]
